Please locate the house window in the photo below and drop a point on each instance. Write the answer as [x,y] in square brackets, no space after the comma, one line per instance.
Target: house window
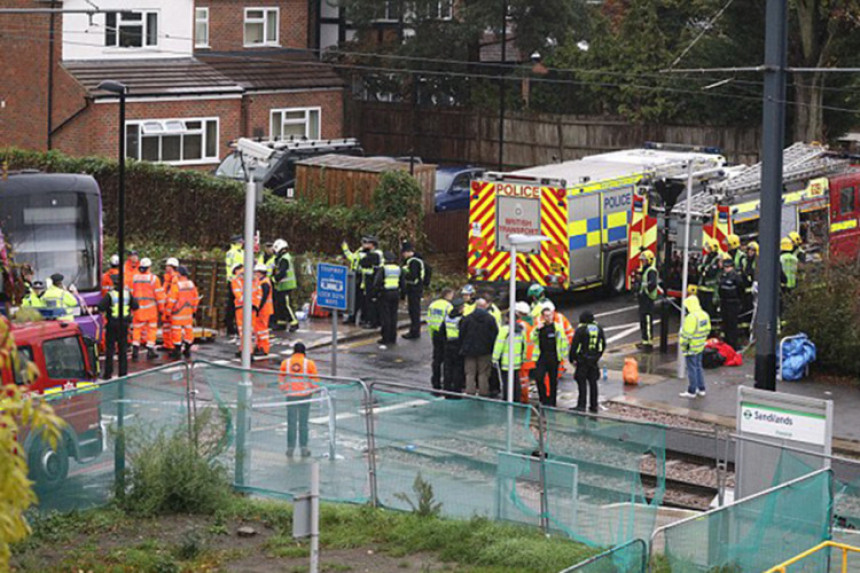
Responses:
[389,11]
[176,141]
[445,10]
[295,122]
[261,26]
[201,27]
[131,29]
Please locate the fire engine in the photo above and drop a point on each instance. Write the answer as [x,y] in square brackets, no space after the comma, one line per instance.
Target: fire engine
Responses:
[591,209]
[67,372]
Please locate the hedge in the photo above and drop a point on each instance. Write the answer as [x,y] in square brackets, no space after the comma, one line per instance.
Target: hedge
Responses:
[171,205]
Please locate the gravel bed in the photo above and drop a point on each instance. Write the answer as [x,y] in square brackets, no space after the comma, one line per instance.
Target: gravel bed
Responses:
[687,472]
[657,417]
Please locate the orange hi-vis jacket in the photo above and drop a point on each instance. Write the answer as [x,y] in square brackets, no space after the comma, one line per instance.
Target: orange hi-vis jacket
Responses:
[170,277]
[130,269]
[268,307]
[146,288]
[238,286]
[182,301]
[298,374]
[107,280]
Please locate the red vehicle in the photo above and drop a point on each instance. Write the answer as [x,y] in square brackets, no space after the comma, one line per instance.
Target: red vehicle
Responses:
[67,371]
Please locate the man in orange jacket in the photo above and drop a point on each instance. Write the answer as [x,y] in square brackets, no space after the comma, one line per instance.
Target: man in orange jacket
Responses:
[170,275]
[132,263]
[181,305]
[238,285]
[298,380]
[264,310]
[107,276]
[146,288]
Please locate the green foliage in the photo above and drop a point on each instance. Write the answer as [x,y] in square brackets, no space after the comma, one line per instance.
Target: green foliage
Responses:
[398,214]
[171,471]
[425,504]
[826,306]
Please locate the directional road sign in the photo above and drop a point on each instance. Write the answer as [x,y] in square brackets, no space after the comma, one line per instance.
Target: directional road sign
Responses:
[332,286]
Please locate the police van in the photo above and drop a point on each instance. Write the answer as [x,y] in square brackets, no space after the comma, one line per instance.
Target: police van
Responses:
[591,209]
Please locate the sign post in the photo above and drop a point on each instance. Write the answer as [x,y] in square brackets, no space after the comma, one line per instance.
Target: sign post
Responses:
[333,293]
[778,419]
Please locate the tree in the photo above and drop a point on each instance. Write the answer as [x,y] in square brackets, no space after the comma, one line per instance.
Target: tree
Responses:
[18,411]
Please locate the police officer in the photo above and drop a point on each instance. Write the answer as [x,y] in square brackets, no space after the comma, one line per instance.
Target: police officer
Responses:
[551,340]
[57,297]
[284,277]
[118,321]
[749,272]
[413,281]
[388,282]
[455,375]
[709,276]
[501,355]
[436,314]
[648,287]
[587,348]
[33,298]
[371,260]
[731,291]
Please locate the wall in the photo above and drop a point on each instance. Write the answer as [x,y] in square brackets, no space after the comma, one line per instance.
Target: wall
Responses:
[450,135]
[83,40]
[226,22]
[330,102]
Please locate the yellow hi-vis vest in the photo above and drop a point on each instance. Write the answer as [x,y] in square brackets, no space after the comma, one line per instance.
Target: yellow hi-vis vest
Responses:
[436,313]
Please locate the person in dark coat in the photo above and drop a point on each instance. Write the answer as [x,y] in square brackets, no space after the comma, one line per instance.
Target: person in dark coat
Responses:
[118,320]
[478,333]
[586,349]
[453,378]
[731,289]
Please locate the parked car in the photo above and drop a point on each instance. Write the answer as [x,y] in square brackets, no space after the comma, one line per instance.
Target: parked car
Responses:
[452,186]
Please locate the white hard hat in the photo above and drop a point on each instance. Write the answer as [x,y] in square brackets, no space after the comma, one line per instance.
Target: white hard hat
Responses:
[172,262]
[522,307]
[279,245]
[145,263]
[548,305]
[261,268]
[114,260]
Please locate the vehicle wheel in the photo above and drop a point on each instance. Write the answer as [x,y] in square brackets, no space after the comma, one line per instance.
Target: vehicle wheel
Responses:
[48,467]
[616,277]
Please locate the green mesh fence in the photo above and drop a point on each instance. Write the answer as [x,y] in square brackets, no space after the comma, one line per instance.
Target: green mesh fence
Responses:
[758,532]
[81,472]
[630,557]
[337,432]
[620,474]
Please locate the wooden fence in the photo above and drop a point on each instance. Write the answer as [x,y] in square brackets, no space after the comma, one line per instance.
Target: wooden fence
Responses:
[455,135]
[447,233]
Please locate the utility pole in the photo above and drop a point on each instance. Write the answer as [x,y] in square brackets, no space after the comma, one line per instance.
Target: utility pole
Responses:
[773,128]
[502,84]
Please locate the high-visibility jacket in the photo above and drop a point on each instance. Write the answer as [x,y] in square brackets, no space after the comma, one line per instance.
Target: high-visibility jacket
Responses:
[740,259]
[182,301]
[788,261]
[234,256]
[126,303]
[436,313]
[107,280]
[709,272]
[32,300]
[645,281]
[129,270]
[496,313]
[566,326]
[536,309]
[501,349]
[238,286]
[270,261]
[298,376]
[56,297]
[170,277]
[469,308]
[284,265]
[452,327]
[561,342]
[146,288]
[532,349]
[354,257]
[267,307]
[696,328]
[410,279]
[391,274]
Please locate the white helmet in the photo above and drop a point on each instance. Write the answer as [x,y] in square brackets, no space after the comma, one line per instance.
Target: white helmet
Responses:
[261,268]
[114,260]
[172,262]
[145,263]
[279,245]
[548,305]
[522,307]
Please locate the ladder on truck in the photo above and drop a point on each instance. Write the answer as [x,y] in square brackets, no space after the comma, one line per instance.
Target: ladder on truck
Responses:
[300,143]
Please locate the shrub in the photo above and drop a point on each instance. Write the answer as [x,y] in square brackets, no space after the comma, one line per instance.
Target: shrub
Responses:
[826,306]
[398,213]
[172,471]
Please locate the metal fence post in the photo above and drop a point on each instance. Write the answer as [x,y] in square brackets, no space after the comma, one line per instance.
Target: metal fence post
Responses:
[119,445]
[542,451]
[371,442]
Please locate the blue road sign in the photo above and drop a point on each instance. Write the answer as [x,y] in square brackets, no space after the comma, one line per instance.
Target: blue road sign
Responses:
[332,286]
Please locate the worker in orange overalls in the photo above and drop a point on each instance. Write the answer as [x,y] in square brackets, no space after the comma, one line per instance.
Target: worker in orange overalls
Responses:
[182,303]
[146,288]
[170,275]
[264,311]
[132,263]
[238,285]
[107,276]
[297,380]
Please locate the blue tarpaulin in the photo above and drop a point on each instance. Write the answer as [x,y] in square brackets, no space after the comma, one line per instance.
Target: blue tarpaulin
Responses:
[797,353]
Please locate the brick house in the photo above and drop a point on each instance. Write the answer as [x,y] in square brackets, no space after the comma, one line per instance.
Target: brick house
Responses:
[199,75]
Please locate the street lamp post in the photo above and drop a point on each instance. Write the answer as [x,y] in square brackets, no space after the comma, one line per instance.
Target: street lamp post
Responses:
[120,90]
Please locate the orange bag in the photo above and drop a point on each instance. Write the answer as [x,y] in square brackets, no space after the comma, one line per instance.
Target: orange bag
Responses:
[630,372]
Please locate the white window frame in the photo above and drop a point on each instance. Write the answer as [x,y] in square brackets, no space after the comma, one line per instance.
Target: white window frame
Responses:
[198,12]
[444,10]
[390,7]
[267,11]
[202,131]
[307,120]
[144,27]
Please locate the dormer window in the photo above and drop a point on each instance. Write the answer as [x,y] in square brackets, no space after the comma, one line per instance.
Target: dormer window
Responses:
[131,29]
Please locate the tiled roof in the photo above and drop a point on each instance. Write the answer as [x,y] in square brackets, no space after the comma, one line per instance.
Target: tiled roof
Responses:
[274,69]
[152,77]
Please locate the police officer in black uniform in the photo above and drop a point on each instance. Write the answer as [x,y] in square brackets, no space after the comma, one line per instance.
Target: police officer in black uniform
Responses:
[586,349]
[413,287]
[118,321]
[731,290]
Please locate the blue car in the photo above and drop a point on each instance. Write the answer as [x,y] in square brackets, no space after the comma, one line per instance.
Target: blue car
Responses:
[452,186]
